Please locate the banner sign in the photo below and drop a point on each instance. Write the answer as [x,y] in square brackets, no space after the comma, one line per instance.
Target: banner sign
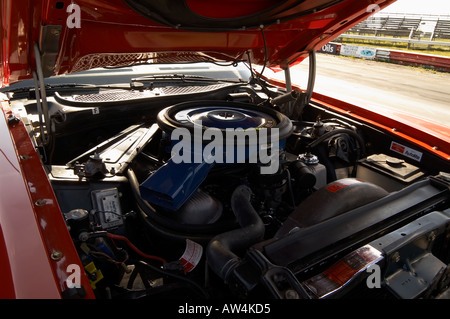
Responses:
[359,51]
[329,48]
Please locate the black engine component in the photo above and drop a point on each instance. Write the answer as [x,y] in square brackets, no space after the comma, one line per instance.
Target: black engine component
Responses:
[304,247]
[226,227]
[201,209]
[176,181]
[222,250]
[332,200]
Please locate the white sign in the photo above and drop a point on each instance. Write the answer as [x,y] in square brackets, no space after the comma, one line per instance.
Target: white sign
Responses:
[191,256]
[358,51]
[406,151]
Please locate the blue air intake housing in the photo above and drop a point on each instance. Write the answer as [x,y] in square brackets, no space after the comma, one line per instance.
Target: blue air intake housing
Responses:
[190,126]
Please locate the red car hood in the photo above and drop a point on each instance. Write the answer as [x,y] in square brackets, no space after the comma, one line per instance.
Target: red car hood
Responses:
[75,36]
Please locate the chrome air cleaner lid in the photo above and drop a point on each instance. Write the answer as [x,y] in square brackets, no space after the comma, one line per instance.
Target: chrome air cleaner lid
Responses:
[225,117]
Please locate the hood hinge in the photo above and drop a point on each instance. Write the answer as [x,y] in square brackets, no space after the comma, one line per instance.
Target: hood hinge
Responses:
[45,54]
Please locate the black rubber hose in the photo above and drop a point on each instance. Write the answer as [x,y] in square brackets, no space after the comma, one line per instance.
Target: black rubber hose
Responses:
[362,148]
[311,76]
[286,98]
[200,289]
[222,251]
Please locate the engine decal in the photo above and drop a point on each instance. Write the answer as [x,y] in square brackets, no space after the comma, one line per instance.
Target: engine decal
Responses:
[406,151]
[336,186]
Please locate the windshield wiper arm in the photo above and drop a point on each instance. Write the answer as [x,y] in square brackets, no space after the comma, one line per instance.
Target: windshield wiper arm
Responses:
[182,78]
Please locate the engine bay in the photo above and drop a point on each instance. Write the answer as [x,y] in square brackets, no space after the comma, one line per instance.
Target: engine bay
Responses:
[148,227]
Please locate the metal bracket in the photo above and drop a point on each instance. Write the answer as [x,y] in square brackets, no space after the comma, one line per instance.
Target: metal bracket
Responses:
[41,98]
[412,270]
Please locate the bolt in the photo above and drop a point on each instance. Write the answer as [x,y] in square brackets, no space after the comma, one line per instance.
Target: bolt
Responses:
[40,202]
[432,236]
[84,236]
[56,255]
[55,32]
[291,294]
[395,257]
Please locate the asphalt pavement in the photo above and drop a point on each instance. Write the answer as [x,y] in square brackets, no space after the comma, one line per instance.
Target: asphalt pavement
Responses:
[421,92]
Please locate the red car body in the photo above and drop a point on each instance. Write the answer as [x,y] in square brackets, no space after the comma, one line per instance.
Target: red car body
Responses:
[112,27]
[35,245]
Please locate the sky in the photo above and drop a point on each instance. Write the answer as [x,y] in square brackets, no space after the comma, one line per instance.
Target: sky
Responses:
[438,7]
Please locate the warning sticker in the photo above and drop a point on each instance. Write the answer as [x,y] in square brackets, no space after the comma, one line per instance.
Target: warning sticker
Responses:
[336,186]
[406,151]
[191,256]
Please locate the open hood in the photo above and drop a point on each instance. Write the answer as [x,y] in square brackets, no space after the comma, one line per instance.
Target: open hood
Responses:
[74,36]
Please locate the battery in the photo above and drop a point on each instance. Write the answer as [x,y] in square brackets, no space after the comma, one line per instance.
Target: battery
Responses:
[389,172]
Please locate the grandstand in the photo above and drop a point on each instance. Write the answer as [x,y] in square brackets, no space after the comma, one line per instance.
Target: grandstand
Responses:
[442,30]
[410,26]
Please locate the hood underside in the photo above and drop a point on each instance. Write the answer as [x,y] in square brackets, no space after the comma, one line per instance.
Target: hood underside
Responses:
[76,36]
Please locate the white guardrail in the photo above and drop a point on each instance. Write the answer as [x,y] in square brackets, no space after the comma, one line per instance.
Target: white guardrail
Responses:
[390,39]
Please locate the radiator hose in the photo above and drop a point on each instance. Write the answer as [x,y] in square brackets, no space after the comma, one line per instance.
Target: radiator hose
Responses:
[223,249]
